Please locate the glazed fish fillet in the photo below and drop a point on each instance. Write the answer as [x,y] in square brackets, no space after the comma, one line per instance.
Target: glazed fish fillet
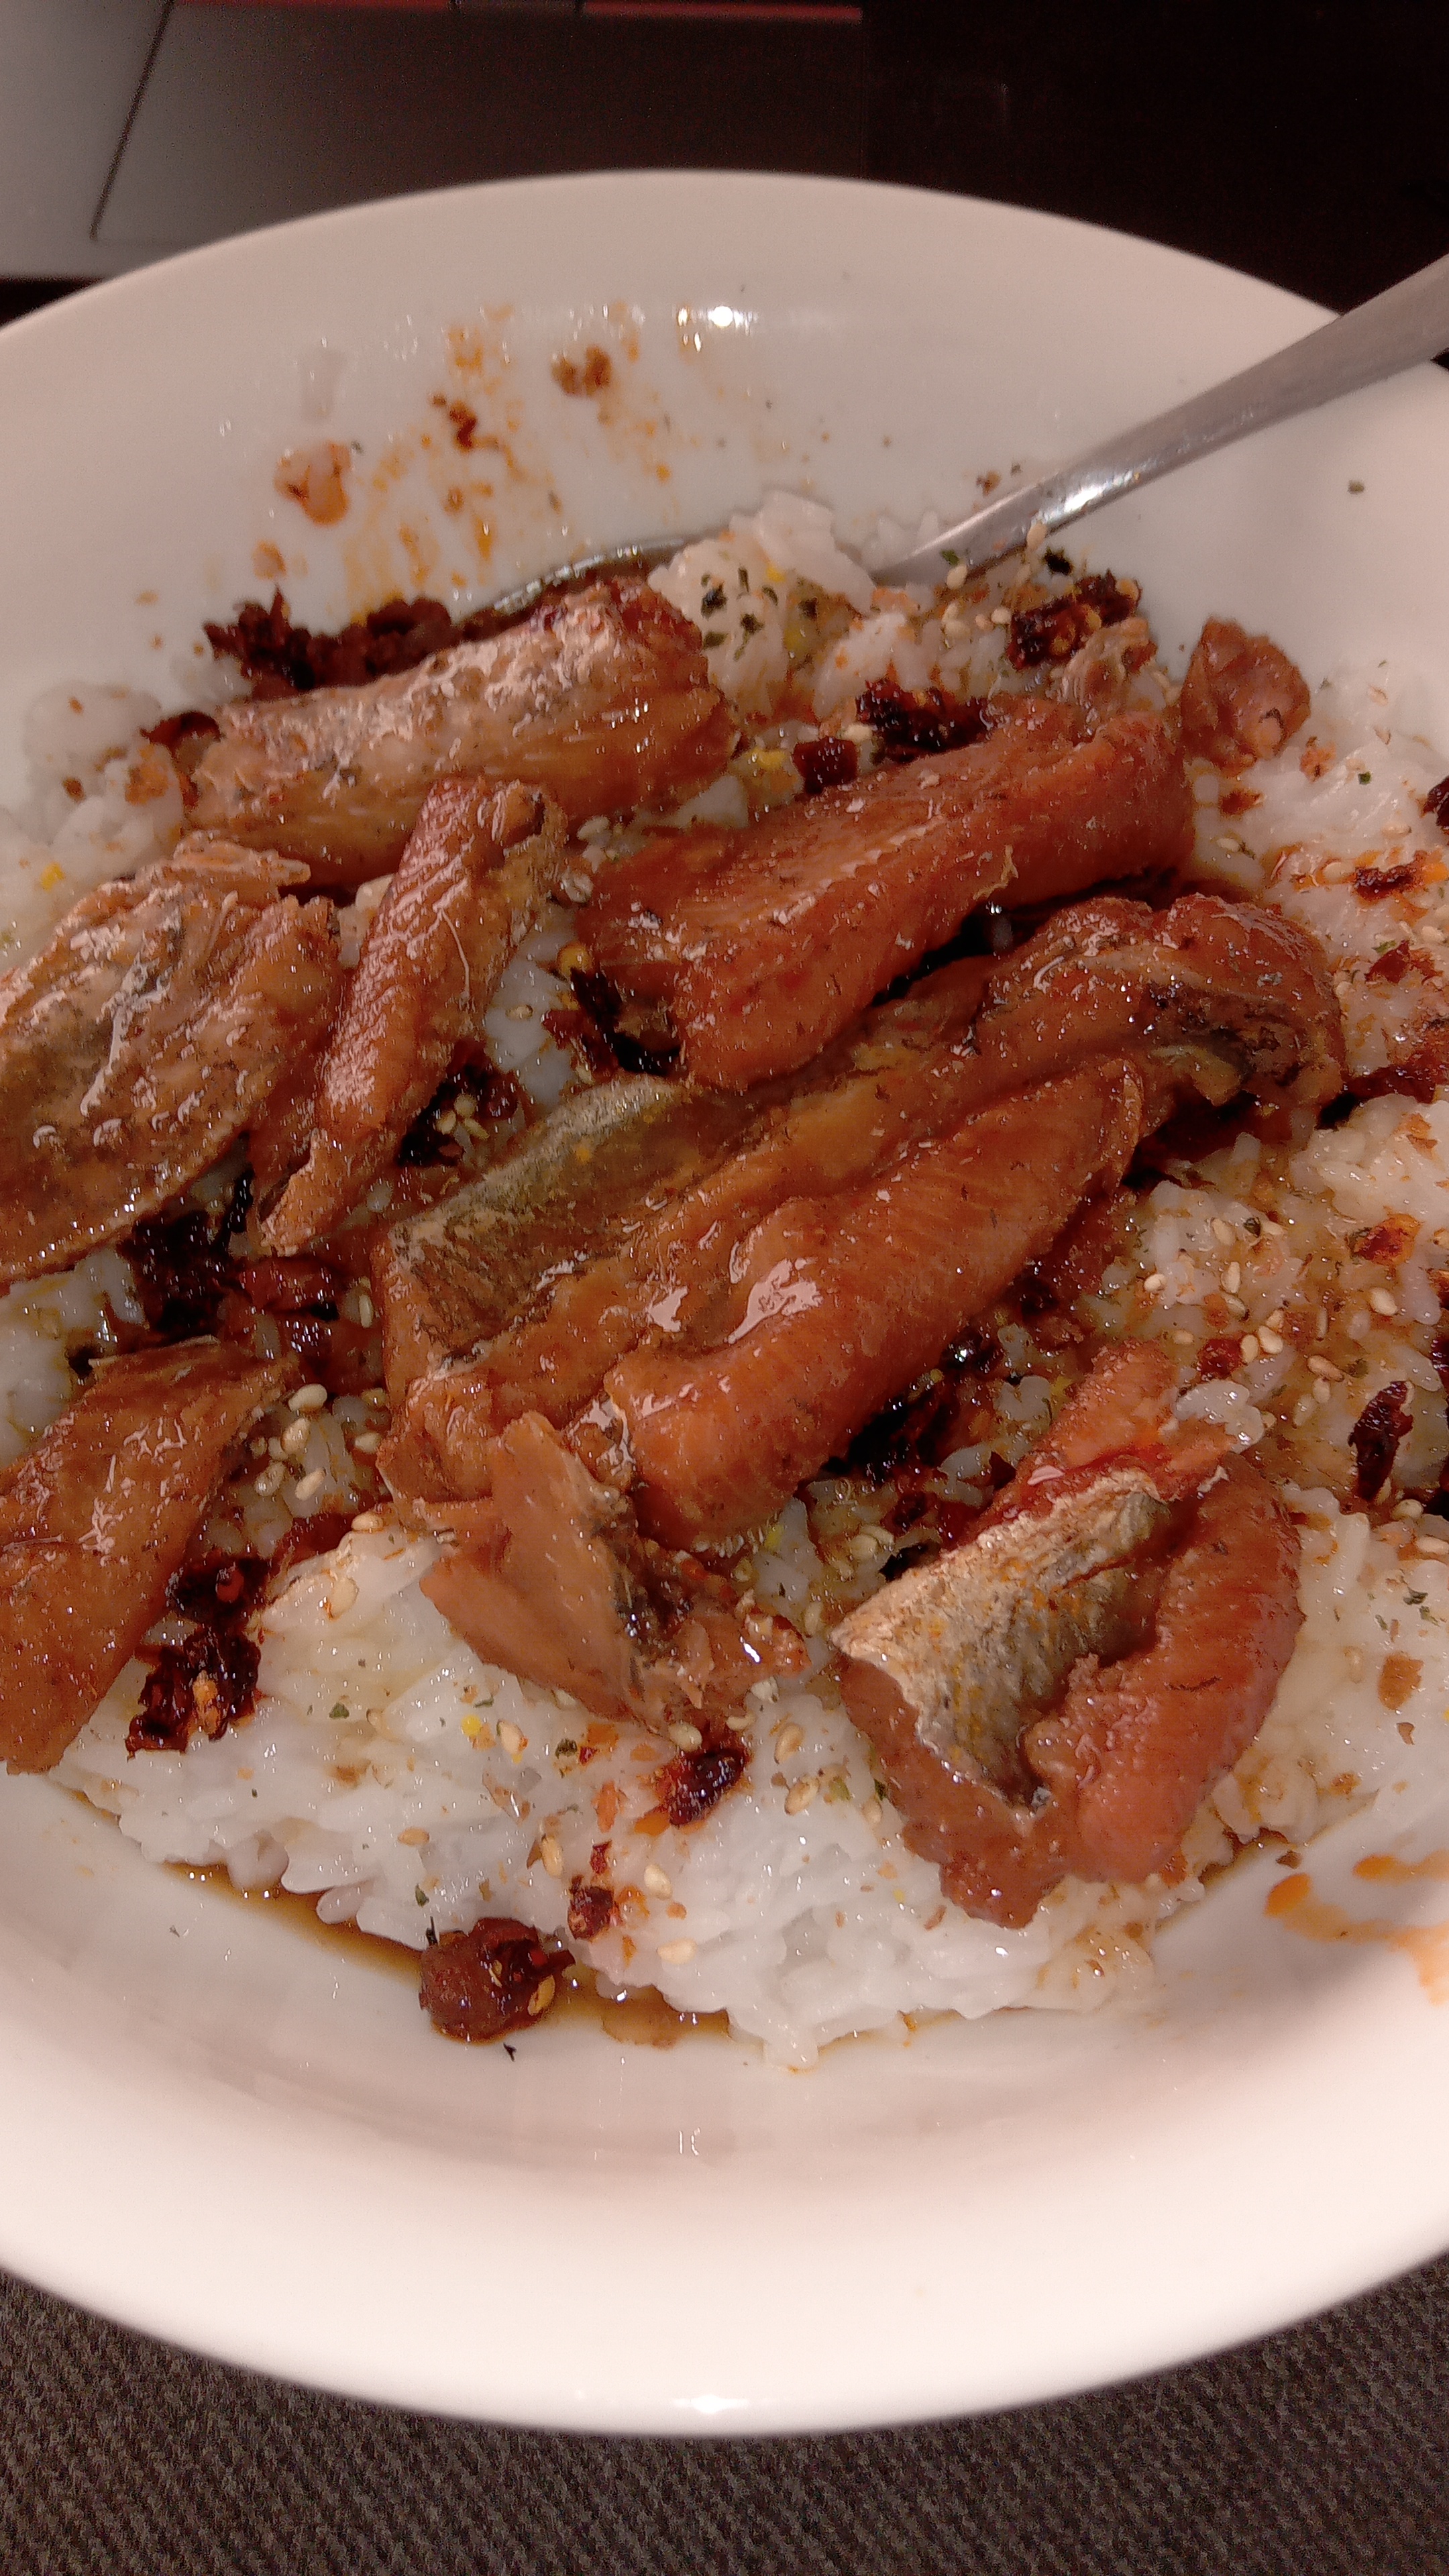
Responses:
[145,1038]
[96,1519]
[477,868]
[763,944]
[602,698]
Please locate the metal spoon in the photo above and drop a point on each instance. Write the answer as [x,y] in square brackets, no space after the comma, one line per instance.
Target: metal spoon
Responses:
[1409,322]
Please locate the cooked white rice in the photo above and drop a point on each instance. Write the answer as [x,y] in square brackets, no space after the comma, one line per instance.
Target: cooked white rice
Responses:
[409,1788]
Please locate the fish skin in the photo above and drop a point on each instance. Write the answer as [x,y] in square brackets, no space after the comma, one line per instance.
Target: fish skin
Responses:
[1136,1746]
[783,932]
[145,1038]
[97,1517]
[450,1280]
[602,698]
[477,869]
[1131,1747]
[837,1303]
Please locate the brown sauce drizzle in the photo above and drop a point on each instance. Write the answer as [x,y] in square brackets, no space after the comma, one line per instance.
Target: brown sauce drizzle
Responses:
[640,2018]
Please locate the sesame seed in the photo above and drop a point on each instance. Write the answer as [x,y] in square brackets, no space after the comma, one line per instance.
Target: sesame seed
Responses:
[1322,1391]
[1235,1305]
[1248,1347]
[686,1736]
[803,1795]
[740,1723]
[812,1619]
[541,1997]
[871,1811]
[550,1852]
[657,1880]
[1431,1547]
[594,828]
[1222,1229]
[1272,1226]
[467,1107]
[1407,1510]
[308,1399]
[368,1521]
[308,1485]
[1233,1277]
[519,1011]
[1381,1302]
[1036,536]
[1336,871]
[365,1309]
[676,1954]
[1183,1339]
[414,1836]
[1275,1320]
[788,1740]
[295,1438]
[445,1121]
[1001,617]
[512,1739]
[269,1481]
[957,577]
[1323,1368]
[859,734]
[1270,1341]
[341,1596]
[368,1442]
[1353,1662]
[1153,1281]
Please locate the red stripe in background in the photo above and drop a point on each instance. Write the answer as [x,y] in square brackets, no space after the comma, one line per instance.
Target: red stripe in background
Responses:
[437,6]
[814,12]
[833,13]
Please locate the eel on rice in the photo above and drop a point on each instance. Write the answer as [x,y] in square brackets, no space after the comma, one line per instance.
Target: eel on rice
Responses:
[146,1037]
[603,698]
[97,1518]
[1058,1693]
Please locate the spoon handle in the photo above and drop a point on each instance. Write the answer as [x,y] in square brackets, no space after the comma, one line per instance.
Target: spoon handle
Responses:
[1407,323]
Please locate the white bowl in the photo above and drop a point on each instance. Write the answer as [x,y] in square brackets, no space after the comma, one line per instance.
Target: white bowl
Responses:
[229,2132]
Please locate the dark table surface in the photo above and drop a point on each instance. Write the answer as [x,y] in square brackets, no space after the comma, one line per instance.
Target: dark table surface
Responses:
[1308,143]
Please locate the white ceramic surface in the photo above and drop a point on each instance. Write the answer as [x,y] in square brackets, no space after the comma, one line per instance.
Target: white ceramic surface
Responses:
[224,2130]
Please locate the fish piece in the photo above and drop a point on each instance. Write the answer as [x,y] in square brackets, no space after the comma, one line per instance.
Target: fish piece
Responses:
[1242,698]
[1135,1747]
[145,1038]
[1224,997]
[477,868]
[535,1579]
[1057,1693]
[593,1172]
[544,1572]
[96,1519]
[835,1304]
[602,697]
[764,943]
[1211,996]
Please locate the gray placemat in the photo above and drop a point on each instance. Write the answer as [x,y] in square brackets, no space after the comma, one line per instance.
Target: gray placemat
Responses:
[1323,2450]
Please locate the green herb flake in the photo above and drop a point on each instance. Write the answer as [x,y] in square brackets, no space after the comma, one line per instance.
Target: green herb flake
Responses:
[1365,778]
[949,555]
[744,578]
[713,599]
[750,623]
[1414,1598]
[712,638]
[339,1712]
[420,1896]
